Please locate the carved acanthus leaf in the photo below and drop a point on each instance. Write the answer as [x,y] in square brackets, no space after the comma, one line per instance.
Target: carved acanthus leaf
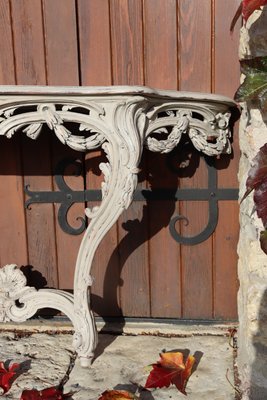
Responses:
[12,288]
[179,127]
[212,137]
[33,130]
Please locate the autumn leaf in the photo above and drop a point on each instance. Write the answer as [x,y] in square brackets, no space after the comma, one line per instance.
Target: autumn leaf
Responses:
[8,375]
[249,6]
[117,395]
[263,241]
[52,393]
[257,181]
[254,86]
[170,369]
[246,8]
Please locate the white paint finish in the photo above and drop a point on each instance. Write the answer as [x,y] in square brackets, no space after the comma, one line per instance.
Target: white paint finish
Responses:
[121,121]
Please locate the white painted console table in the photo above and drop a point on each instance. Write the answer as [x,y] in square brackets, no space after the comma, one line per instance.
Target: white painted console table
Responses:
[120,120]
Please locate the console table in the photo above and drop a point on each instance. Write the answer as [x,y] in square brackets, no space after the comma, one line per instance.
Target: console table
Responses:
[121,120]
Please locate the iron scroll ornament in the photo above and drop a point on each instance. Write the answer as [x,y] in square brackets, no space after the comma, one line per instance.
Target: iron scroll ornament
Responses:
[66,197]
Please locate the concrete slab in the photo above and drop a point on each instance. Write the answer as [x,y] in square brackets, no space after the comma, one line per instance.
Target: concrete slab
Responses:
[120,360]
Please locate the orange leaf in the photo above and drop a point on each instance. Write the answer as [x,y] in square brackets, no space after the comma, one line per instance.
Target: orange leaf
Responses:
[116,395]
[181,379]
[8,375]
[170,369]
[172,360]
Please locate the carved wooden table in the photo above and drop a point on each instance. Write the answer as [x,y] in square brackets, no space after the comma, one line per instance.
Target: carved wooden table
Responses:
[120,120]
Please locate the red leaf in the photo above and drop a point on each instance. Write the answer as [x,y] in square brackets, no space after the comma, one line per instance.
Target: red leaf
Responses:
[246,8]
[170,370]
[8,375]
[46,394]
[181,379]
[116,395]
[249,6]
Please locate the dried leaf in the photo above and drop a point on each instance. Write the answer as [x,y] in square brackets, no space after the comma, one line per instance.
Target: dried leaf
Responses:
[8,375]
[52,393]
[170,369]
[117,395]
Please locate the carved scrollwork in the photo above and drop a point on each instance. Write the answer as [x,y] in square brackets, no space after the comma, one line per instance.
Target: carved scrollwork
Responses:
[211,136]
[208,130]
[121,121]
[30,118]
[13,286]
[173,126]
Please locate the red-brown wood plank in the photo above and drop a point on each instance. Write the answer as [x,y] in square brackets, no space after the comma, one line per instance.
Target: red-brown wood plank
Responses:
[160,43]
[13,244]
[94,39]
[226,80]
[195,75]
[30,69]
[128,69]
[62,63]
[95,65]
[60,33]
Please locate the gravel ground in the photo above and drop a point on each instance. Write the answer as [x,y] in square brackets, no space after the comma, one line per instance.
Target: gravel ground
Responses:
[119,361]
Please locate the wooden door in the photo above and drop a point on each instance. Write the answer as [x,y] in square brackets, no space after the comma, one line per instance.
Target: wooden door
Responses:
[140,270]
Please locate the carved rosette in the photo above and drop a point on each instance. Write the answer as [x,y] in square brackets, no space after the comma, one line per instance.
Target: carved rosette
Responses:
[12,288]
[121,124]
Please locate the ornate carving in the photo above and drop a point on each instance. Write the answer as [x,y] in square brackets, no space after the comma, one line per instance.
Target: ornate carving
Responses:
[120,120]
[12,289]
[209,131]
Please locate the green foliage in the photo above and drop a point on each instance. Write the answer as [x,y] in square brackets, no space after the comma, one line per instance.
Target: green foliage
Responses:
[254,87]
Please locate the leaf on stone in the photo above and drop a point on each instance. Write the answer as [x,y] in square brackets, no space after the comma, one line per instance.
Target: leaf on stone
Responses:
[254,86]
[257,174]
[249,6]
[117,395]
[257,181]
[52,393]
[263,241]
[246,8]
[170,369]
[8,375]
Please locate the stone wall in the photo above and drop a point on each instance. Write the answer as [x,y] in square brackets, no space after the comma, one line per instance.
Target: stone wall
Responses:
[252,298]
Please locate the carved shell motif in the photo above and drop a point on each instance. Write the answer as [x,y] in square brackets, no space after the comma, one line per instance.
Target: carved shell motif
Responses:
[12,287]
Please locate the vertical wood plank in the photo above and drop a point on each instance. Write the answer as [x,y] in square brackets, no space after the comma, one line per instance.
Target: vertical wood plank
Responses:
[127,42]
[195,45]
[95,64]
[195,75]
[94,40]
[30,69]
[128,69]
[60,34]
[160,42]
[226,80]
[62,63]
[13,244]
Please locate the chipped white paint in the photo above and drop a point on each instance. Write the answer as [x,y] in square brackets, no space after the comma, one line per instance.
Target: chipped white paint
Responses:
[121,121]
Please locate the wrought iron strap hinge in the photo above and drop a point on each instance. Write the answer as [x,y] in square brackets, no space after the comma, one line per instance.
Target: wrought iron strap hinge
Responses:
[66,197]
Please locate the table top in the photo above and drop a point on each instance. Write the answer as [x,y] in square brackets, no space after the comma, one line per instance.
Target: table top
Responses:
[113,90]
